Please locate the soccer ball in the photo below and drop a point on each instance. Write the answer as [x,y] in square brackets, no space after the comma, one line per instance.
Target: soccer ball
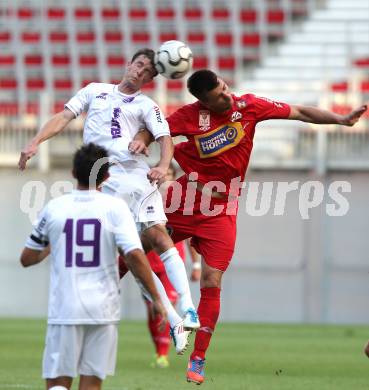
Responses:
[173,59]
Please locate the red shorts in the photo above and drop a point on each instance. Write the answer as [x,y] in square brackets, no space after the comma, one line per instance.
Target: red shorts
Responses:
[214,237]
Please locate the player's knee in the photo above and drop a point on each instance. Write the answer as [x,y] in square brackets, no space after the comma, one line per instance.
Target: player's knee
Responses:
[159,239]
[211,279]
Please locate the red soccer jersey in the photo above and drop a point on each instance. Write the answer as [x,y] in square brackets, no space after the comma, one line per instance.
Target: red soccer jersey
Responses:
[219,145]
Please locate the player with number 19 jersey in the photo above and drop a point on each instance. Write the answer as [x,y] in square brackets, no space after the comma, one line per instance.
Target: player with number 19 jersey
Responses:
[84,229]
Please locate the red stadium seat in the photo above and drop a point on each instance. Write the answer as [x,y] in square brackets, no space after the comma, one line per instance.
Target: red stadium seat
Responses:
[364,86]
[251,39]
[220,13]
[110,13]
[33,108]
[224,39]
[31,37]
[86,36]
[275,16]
[60,60]
[35,84]
[5,36]
[196,37]
[149,86]
[193,13]
[362,62]
[58,36]
[58,106]
[138,13]
[115,60]
[33,59]
[88,60]
[63,84]
[7,59]
[339,86]
[168,36]
[170,108]
[228,62]
[8,83]
[248,16]
[165,13]
[175,85]
[115,81]
[341,109]
[56,13]
[88,81]
[113,36]
[9,108]
[140,37]
[83,13]
[25,13]
[200,62]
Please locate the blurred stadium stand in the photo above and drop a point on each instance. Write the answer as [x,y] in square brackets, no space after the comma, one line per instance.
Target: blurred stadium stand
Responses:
[297,51]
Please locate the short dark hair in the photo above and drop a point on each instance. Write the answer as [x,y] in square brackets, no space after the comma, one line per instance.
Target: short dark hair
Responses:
[85,158]
[201,82]
[150,54]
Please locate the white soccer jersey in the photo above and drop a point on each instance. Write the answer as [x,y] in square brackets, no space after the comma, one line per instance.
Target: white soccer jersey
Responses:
[84,229]
[113,118]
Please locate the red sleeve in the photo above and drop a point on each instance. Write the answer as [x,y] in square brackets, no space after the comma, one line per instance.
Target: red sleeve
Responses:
[270,109]
[177,122]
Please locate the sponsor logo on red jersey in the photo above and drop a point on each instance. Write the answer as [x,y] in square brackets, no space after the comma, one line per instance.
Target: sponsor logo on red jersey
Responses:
[219,140]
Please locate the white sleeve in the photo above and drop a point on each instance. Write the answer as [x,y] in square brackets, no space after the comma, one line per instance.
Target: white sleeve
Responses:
[39,239]
[81,100]
[125,231]
[155,121]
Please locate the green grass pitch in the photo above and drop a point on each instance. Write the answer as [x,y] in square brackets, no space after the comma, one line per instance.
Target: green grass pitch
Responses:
[241,357]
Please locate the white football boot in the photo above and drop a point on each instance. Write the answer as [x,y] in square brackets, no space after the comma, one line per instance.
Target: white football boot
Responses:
[180,337]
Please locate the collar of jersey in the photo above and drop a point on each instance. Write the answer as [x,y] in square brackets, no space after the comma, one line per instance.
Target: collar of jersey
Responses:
[125,95]
[84,192]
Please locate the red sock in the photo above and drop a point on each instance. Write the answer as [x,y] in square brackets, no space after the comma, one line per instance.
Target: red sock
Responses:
[161,340]
[208,311]
[122,266]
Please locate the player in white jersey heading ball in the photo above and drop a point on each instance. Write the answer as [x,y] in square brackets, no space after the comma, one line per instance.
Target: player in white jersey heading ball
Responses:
[83,230]
[115,114]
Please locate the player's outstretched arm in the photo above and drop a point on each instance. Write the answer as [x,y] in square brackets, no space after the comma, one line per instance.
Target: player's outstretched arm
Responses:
[33,256]
[51,128]
[319,116]
[166,155]
[138,264]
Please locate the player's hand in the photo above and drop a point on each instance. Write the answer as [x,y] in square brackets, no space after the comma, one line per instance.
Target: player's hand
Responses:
[28,152]
[156,174]
[159,310]
[138,147]
[195,275]
[354,116]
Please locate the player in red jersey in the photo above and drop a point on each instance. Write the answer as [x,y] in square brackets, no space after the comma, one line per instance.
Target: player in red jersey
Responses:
[220,129]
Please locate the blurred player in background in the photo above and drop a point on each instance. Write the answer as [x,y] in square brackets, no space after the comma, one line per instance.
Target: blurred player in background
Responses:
[220,129]
[115,113]
[83,231]
[161,338]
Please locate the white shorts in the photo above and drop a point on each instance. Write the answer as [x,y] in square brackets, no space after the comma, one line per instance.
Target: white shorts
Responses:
[128,180]
[73,350]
